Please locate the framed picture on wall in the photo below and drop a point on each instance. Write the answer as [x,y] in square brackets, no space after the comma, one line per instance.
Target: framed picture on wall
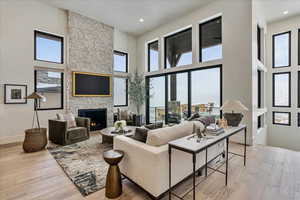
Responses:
[15,94]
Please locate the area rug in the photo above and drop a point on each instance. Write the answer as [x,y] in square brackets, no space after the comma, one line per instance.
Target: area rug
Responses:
[83,163]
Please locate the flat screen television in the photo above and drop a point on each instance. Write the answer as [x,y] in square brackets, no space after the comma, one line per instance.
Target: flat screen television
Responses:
[91,84]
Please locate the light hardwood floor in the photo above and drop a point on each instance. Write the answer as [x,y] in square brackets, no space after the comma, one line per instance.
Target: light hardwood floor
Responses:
[270,174]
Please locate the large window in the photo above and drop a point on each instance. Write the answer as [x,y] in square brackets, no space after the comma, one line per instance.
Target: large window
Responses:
[282,89]
[259,43]
[211,40]
[48,47]
[178,49]
[120,61]
[120,91]
[183,93]
[153,53]
[282,118]
[282,50]
[50,85]
[259,88]
[206,91]
[156,105]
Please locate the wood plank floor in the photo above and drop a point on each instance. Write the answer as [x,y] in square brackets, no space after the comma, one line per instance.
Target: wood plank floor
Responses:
[270,174]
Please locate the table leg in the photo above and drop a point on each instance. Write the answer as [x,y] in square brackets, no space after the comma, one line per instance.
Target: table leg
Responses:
[226,173]
[194,176]
[245,146]
[170,186]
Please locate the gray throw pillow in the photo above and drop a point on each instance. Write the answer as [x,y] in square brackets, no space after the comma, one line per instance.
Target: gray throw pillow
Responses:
[140,134]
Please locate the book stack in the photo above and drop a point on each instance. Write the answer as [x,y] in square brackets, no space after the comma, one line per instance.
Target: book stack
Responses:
[214,130]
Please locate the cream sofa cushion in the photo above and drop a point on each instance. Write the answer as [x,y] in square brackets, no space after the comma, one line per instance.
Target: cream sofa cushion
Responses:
[162,136]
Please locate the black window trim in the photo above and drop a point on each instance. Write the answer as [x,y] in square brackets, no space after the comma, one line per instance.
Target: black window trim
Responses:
[298,120]
[200,36]
[259,88]
[298,88]
[62,90]
[298,46]
[148,55]
[126,57]
[189,71]
[273,90]
[126,104]
[36,32]
[174,34]
[273,116]
[273,50]
[259,42]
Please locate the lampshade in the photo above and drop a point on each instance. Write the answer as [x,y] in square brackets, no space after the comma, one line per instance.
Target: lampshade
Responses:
[233,105]
[35,95]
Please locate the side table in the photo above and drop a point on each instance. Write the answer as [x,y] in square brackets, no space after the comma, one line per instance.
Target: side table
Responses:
[113,188]
[35,139]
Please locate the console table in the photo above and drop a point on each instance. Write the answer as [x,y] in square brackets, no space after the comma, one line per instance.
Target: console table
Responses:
[190,145]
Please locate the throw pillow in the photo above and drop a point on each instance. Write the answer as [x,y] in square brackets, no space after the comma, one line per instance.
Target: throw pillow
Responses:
[69,117]
[123,115]
[154,126]
[140,134]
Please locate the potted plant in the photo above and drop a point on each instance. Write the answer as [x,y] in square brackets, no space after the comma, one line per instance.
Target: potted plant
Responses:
[137,95]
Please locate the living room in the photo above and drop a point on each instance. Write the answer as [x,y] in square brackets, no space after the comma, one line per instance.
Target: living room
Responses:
[82,89]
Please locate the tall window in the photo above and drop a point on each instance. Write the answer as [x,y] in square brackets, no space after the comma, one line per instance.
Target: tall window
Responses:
[48,47]
[50,85]
[259,43]
[206,91]
[178,49]
[211,40]
[120,61]
[259,88]
[282,118]
[153,53]
[282,89]
[177,97]
[120,91]
[156,109]
[282,50]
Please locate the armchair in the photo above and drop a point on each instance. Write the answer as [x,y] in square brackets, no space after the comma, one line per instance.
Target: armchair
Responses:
[59,133]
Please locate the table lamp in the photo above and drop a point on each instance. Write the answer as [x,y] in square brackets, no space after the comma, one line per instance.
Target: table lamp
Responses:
[233,117]
[35,96]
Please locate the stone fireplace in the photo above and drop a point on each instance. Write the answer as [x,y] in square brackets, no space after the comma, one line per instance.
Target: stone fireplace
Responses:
[98,117]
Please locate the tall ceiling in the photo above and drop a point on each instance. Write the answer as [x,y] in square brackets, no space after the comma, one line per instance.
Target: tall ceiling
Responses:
[125,14]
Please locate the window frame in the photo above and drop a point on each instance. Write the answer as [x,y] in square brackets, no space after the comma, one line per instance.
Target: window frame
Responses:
[62,89]
[189,71]
[200,36]
[298,88]
[273,49]
[126,104]
[61,38]
[273,90]
[259,88]
[126,57]
[174,34]
[273,118]
[259,43]
[148,55]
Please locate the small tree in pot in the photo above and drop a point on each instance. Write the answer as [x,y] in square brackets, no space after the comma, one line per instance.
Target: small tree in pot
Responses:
[137,94]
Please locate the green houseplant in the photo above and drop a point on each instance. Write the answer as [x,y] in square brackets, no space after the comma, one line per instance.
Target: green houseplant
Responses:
[137,94]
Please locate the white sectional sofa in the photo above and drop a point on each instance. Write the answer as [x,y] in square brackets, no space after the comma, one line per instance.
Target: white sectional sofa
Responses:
[147,164]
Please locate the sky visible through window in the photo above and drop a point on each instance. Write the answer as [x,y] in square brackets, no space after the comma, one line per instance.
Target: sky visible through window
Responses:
[281,86]
[48,50]
[119,62]
[154,60]
[120,91]
[281,50]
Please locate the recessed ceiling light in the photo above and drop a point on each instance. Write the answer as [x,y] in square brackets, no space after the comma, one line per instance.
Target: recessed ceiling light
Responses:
[285,12]
[141,20]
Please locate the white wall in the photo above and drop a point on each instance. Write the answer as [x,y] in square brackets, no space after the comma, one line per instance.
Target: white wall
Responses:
[237,49]
[18,20]
[284,136]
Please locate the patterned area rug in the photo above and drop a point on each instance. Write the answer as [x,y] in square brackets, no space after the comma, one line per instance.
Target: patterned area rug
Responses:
[83,163]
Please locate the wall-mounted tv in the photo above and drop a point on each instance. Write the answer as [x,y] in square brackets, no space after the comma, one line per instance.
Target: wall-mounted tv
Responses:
[91,84]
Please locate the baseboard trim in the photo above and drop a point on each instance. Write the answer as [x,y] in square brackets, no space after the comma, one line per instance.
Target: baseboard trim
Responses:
[8,145]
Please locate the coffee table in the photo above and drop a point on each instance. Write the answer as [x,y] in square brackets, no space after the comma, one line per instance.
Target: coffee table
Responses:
[108,136]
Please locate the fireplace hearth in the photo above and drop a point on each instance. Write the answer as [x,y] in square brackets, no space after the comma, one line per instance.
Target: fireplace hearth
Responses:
[98,117]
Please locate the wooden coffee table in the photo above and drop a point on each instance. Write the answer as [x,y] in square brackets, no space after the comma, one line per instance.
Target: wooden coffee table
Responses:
[108,136]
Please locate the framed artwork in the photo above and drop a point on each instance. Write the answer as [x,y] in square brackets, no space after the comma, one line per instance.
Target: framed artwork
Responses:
[15,94]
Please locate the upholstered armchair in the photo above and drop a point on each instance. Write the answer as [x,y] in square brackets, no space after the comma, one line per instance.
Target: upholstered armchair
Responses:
[59,133]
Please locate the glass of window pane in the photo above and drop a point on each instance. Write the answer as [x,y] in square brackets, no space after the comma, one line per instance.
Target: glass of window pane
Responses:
[282,118]
[120,91]
[177,97]
[206,91]
[211,40]
[153,61]
[49,84]
[48,47]
[281,50]
[120,61]
[157,99]
[281,89]
[178,49]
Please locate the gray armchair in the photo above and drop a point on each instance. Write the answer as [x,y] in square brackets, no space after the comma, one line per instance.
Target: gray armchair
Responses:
[60,134]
